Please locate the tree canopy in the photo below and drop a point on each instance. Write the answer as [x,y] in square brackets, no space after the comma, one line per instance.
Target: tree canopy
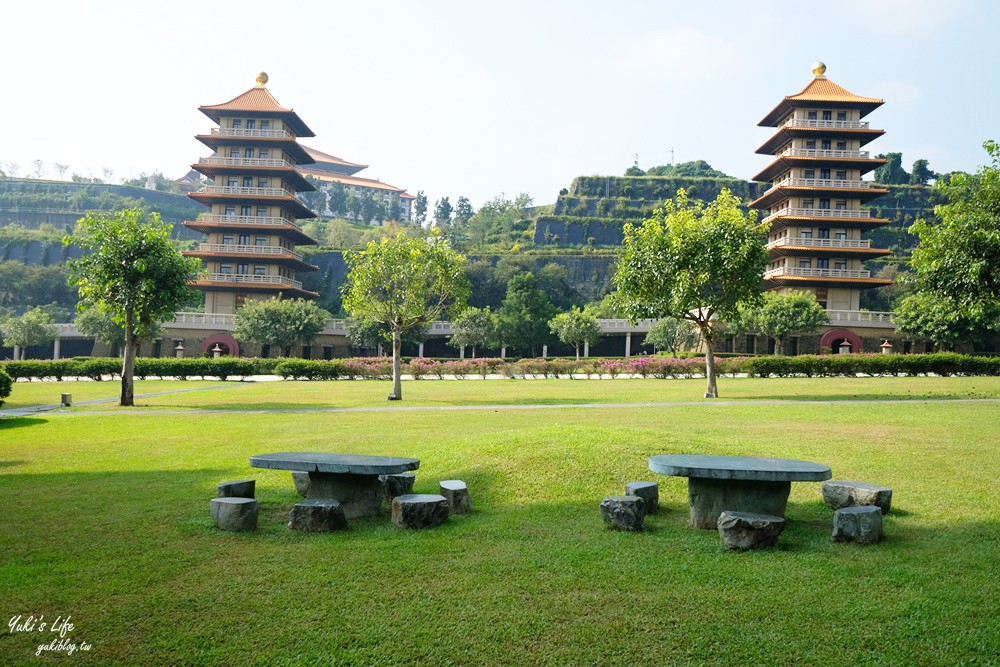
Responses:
[576,327]
[524,315]
[695,262]
[780,315]
[403,283]
[475,328]
[279,323]
[670,333]
[132,271]
[32,328]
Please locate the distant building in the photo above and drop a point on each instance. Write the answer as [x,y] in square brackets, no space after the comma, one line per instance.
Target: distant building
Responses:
[815,208]
[252,233]
[330,171]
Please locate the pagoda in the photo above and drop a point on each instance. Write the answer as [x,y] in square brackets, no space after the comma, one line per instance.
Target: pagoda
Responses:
[252,233]
[817,192]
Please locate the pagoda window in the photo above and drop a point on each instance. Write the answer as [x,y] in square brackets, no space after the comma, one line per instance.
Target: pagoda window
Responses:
[840,204]
[809,173]
[231,210]
[751,342]
[234,152]
[227,239]
[260,240]
[237,123]
[827,115]
[841,175]
[259,270]
[265,125]
[805,262]
[248,181]
[840,234]
[822,263]
[248,152]
[806,233]
[811,115]
[807,203]
[841,115]
[264,153]
[824,174]
[810,143]
[823,233]
[232,182]
[245,211]
[251,124]
[242,269]
[244,239]
[824,204]
[226,268]
[840,264]
[261,211]
[263,183]
[825,144]
[841,145]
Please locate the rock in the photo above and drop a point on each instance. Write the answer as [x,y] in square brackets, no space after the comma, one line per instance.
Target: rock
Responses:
[457,494]
[317,515]
[623,512]
[745,531]
[301,481]
[397,485]
[648,491]
[841,493]
[419,510]
[235,514]
[241,489]
[862,524]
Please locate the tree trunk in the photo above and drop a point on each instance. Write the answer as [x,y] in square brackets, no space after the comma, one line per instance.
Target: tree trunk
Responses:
[128,368]
[577,348]
[712,391]
[779,349]
[397,364]
[473,351]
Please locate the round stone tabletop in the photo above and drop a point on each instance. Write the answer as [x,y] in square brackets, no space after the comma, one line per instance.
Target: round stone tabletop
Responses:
[739,467]
[357,464]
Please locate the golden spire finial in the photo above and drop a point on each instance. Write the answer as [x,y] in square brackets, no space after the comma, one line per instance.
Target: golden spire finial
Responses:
[262,79]
[819,69]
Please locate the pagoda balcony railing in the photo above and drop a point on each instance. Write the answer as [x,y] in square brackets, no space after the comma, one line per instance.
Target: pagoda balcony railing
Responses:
[246,219]
[211,319]
[808,241]
[250,192]
[822,183]
[818,152]
[819,213]
[816,273]
[248,249]
[252,279]
[827,124]
[239,132]
[245,162]
[876,318]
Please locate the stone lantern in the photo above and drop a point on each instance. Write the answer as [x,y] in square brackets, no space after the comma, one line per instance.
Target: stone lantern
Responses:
[886,347]
[845,347]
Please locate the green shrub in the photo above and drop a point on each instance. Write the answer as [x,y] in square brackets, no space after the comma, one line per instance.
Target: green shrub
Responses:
[5,385]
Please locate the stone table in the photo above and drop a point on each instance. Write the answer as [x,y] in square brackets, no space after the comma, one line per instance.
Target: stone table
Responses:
[351,479]
[736,483]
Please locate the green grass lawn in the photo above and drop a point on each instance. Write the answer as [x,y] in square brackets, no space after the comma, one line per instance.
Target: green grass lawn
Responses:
[108,521]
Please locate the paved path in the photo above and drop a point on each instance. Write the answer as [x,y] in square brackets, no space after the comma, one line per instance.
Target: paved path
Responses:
[496,408]
[35,409]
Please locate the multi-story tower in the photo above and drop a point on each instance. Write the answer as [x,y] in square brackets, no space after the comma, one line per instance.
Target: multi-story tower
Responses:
[250,252]
[817,191]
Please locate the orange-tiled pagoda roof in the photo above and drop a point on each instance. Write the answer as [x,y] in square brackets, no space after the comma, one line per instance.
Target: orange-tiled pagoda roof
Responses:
[320,157]
[258,100]
[354,180]
[821,91]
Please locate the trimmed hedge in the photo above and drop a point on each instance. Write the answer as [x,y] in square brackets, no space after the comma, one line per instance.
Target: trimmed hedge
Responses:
[380,368]
[5,383]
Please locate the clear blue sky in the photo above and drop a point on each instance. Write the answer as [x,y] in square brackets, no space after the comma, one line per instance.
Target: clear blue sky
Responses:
[480,98]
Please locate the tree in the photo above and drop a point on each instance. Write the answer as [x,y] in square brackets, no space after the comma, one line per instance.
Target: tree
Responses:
[694,262]
[404,283]
[394,210]
[474,327]
[670,333]
[780,315]
[101,325]
[133,271]
[39,169]
[576,327]
[693,169]
[420,208]
[33,328]
[60,169]
[921,174]
[442,212]
[892,172]
[500,220]
[463,211]
[337,199]
[366,333]
[940,320]
[524,315]
[634,170]
[279,323]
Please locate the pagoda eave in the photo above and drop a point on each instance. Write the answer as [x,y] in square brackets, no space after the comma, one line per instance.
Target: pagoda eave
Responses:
[786,162]
[786,134]
[289,174]
[782,192]
[290,204]
[863,224]
[814,281]
[289,231]
[287,144]
[814,251]
[277,290]
[287,261]
[788,105]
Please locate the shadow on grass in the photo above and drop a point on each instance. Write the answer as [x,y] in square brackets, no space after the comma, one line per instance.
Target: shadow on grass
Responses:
[11,464]
[20,422]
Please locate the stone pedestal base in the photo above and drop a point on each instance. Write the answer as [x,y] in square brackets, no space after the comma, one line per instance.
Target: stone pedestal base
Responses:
[319,515]
[743,531]
[623,512]
[359,495]
[710,497]
[419,510]
[648,491]
[235,514]
[457,494]
[857,524]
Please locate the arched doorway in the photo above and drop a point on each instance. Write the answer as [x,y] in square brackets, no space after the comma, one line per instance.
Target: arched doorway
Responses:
[226,343]
[833,338]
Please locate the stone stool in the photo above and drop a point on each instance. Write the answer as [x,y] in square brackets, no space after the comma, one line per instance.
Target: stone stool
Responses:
[317,515]
[235,514]
[419,510]
[648,491]
[397,485]
[746,531]
[862,524]
[457,494]
[242,489]
[623,512]
[301,482]
[841,493]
